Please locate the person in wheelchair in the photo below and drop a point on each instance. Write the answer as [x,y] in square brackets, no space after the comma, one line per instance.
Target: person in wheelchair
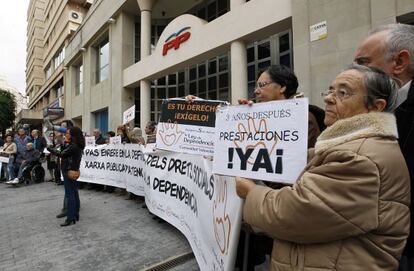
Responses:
[31,167]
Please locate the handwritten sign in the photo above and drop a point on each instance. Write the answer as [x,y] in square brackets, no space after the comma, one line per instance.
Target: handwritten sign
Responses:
[266,141]
[129,115]
[89,140]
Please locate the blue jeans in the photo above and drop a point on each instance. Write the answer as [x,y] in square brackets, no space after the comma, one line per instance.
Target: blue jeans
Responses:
[71,192]
[11,167]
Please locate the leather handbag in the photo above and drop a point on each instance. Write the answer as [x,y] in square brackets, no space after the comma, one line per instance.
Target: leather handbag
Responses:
[73,174]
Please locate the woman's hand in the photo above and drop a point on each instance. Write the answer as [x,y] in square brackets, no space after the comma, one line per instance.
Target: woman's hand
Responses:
[243,186]
[245,101]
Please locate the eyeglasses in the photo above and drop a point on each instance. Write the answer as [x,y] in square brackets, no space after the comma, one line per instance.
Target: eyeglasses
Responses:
[341,93]
[261,85]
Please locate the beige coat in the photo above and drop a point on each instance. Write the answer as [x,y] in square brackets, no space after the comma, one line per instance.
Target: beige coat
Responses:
[349,209]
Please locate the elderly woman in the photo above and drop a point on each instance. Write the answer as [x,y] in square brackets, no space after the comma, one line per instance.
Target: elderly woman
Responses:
[349,208]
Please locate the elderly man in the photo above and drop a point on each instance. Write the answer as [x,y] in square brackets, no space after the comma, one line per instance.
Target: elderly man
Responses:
[30,156]
[39,142]
[349,209]
[391,48]
[99,139]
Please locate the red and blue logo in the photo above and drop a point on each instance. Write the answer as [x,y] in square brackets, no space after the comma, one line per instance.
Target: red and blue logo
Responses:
[175,40]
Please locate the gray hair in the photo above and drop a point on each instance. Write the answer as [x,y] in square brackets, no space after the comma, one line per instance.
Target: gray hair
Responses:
[399,37]
[378,85]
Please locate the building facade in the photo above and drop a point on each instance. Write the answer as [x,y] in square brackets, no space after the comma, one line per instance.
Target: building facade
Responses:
[50,25]
[139,52]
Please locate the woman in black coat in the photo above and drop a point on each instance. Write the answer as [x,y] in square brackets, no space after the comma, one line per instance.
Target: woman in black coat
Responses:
[71,157]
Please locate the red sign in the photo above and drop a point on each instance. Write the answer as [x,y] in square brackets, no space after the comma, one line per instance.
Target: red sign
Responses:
[175,40]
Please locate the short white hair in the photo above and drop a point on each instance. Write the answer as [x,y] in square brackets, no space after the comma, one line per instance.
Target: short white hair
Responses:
[399,37]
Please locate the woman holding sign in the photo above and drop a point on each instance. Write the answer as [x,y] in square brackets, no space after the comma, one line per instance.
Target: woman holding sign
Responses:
[349,209]
[71,157]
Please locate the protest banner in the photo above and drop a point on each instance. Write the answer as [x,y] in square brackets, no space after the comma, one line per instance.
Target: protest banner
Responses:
[115,140]
[182,190]
[129,115]
[179,188]
[265,141]
[89,140]
[115,165]
[187,127]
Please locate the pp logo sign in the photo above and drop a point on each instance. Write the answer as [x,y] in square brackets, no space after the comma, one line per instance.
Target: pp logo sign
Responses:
[175,40]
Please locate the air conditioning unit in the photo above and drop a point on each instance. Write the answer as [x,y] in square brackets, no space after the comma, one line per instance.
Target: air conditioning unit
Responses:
[75,16]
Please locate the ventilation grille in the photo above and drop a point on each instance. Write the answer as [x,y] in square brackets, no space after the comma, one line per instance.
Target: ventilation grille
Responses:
[170,263]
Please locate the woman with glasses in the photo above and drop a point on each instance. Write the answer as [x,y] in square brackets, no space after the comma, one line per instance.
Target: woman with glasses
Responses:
[278,82]
[349,209]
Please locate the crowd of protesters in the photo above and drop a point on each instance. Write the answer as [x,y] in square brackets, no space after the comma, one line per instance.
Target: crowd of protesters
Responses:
[350,207]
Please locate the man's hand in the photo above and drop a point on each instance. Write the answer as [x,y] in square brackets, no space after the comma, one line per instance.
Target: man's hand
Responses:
[243,186]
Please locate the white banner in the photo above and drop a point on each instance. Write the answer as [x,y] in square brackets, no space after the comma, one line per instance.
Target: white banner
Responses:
[182,190]
[179,188]
[4,159]
[115,165]
[265,141]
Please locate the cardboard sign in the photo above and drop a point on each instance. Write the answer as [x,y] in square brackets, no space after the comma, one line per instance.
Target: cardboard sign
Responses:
[265,141]
[129,115]
[187,127]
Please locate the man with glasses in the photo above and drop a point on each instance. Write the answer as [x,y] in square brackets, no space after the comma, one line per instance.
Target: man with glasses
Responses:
[391,48]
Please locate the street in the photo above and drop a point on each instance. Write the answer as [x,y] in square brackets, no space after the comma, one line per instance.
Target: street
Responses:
[113,233]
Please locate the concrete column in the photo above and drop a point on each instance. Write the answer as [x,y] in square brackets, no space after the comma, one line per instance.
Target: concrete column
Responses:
[121,48]
[238,71]
[145,86]
[235,3]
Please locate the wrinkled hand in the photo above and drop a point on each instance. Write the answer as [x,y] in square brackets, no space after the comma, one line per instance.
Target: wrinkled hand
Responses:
[245,101]
[221,219]
[190,98]
[243,186]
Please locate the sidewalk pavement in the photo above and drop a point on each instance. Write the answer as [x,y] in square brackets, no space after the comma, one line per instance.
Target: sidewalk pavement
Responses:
[112,234]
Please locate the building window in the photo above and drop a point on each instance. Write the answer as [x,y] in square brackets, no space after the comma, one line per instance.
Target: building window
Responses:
[59,58]
[103,61]
[208,80]
[79,80]
[210,10]
[48,71]
[261,54]
[101,121]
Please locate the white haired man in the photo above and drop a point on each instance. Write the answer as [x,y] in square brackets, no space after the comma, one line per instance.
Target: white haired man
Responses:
[391,48]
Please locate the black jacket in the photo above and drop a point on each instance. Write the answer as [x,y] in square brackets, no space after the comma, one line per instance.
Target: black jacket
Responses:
[405,124]
[31,156]
[100,140]
[70,156]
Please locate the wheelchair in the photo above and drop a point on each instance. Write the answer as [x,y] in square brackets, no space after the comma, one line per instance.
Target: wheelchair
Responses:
[33,173]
